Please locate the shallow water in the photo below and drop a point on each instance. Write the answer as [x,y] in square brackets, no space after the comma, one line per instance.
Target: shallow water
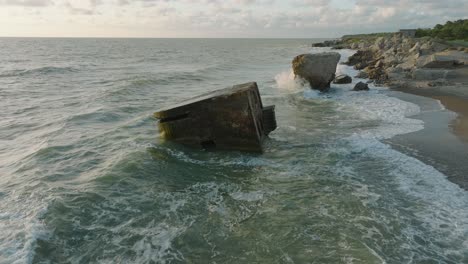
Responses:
[85,177]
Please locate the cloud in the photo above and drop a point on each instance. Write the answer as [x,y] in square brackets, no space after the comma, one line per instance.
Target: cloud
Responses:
[33,3]
[246,18]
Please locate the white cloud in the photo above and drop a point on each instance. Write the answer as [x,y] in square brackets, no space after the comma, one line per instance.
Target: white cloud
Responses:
[223,18]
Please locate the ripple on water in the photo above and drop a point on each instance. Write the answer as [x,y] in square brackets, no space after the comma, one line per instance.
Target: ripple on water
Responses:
[102,187]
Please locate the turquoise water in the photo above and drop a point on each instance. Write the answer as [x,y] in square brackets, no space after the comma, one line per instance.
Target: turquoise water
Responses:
[86,178]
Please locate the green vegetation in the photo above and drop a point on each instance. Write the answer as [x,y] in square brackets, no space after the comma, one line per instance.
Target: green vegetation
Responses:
[457,30]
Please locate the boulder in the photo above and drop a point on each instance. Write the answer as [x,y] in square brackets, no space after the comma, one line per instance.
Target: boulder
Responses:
[318,45]
[437,61]
[361,59]
[431,47]
[379,43]
[432,74]
[343,79]
[416,48]
[361,65]
[379,64]
[360,86]
[362,75]
[394,72]
[318,69]
[377,74]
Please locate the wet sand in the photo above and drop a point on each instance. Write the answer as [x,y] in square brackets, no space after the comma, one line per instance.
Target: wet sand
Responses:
[443,143]
[460,106]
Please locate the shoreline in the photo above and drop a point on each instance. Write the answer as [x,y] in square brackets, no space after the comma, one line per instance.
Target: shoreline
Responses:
[455,103]
[420,70]
[443,143]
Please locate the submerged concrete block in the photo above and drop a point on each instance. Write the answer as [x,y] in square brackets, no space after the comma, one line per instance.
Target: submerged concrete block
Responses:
[231,119]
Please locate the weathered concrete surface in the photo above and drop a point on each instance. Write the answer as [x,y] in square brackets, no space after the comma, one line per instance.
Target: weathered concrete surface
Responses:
[318,69]
[232,119]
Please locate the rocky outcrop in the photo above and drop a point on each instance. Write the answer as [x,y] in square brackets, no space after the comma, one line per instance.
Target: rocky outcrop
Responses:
[393,57]
[327,43]
[431,74]
[317,69]
[343,79]
[437,61]
[389,59]
[362,75]
[360,86]
[361,59]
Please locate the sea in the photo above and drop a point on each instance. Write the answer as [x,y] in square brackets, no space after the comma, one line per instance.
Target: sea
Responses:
[86,177]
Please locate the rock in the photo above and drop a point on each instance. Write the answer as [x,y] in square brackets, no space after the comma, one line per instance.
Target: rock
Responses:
[377,74]
[362,75]
[430,47]
[361,65]
[318,69]
[327,43]
[437,61]
[379,64]
[394,72]
[362,57]
[318,45]
[416,48]
[379,43]
[338,47]
[440,82]
[343,79]
[360,86]
[431,74]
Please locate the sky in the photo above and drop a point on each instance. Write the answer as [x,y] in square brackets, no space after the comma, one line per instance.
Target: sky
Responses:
[220,18]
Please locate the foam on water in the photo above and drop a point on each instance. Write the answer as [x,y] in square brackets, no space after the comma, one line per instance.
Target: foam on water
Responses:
[444,202]
[21,227]
[153,202]
[286,81]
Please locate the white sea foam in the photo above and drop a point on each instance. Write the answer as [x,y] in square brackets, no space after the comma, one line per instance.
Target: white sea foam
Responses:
[387,117]
[21,227]
[287,82]
[445,201]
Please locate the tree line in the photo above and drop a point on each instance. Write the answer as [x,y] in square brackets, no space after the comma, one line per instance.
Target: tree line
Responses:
[452,30]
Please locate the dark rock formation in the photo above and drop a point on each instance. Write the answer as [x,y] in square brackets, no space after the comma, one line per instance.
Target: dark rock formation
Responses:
[361,59]
[328,43]
[360,86]
[318,69]
[343,79]
[362,75]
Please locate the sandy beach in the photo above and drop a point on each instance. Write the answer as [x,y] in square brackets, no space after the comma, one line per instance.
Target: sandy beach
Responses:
[443,143]
[455,103]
